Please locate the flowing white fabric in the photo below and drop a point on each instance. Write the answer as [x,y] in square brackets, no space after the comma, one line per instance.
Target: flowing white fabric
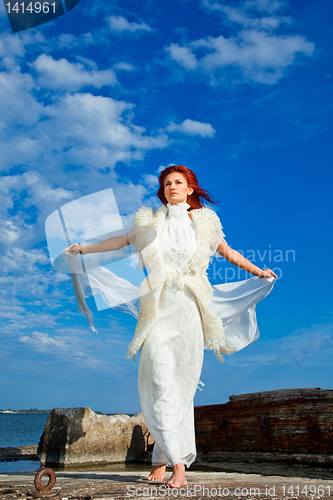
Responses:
[235,304]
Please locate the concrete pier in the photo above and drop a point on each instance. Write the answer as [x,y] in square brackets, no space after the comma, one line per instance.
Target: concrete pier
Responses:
[127,484]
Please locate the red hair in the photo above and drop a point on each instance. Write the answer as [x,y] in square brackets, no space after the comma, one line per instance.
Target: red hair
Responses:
[195,199]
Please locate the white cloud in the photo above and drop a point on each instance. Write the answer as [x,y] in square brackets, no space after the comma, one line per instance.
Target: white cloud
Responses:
[63,347]
[268,23]
[18,258]
[192,127]
[261,6]
[151,181]
[21,320]
[64,75]
[162,167]
[18,106]
[79,129]
[309,346]
[42,194]
[43,342]
[33,190]
[269,6]
[95,133]
[11,230]
[28,296]
[71,344]
[124,66]
[255,53]
[82,132]
[13,47]
[70,41]
[182,55]
[26,277]
[121,24]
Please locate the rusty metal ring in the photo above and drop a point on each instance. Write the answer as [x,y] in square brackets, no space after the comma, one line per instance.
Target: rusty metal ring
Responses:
[45,471]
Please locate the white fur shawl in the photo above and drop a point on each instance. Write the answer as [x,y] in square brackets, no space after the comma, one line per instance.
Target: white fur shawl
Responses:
[148,225]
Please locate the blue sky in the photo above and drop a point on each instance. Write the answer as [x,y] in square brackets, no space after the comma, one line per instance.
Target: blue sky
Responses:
[108,94]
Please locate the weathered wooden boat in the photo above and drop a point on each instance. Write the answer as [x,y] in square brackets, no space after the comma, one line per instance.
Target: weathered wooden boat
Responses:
[268,430]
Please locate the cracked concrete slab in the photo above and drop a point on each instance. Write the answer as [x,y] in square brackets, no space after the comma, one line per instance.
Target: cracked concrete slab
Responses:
[127,484]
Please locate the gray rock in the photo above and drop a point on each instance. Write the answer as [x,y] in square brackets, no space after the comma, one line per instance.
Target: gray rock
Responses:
[18,453]
[74,436]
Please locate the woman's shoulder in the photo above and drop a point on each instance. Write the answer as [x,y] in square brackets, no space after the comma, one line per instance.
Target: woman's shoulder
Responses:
[143,216]
[206,214]
[210,226]
[146,215]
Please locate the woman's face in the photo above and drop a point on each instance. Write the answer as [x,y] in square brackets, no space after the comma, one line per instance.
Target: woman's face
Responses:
[176,188]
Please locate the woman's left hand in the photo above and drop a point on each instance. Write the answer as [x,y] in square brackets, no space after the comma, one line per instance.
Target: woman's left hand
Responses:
[267,273]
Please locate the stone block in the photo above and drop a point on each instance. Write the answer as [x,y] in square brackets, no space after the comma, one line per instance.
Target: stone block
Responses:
[75,436]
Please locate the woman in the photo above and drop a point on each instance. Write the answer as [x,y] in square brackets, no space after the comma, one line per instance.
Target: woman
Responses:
[177,319]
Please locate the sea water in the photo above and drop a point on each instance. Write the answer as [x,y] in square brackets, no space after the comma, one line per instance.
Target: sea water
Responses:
[20,429]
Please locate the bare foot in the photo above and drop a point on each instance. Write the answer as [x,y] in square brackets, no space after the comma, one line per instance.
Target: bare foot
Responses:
[157,473]
[178,477]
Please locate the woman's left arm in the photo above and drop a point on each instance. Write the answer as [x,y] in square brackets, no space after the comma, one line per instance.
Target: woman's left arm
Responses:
[236,258]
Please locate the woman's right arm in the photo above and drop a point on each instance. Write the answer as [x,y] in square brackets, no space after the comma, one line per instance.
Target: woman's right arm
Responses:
[114,243]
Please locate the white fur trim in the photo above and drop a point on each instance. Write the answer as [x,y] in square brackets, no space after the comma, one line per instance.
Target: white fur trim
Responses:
[193,276]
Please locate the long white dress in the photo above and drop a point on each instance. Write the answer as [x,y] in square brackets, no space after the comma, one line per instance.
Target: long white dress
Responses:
[172,354]
[176,321]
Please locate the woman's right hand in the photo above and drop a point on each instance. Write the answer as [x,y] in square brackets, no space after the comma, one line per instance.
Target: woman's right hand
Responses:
[73,249]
